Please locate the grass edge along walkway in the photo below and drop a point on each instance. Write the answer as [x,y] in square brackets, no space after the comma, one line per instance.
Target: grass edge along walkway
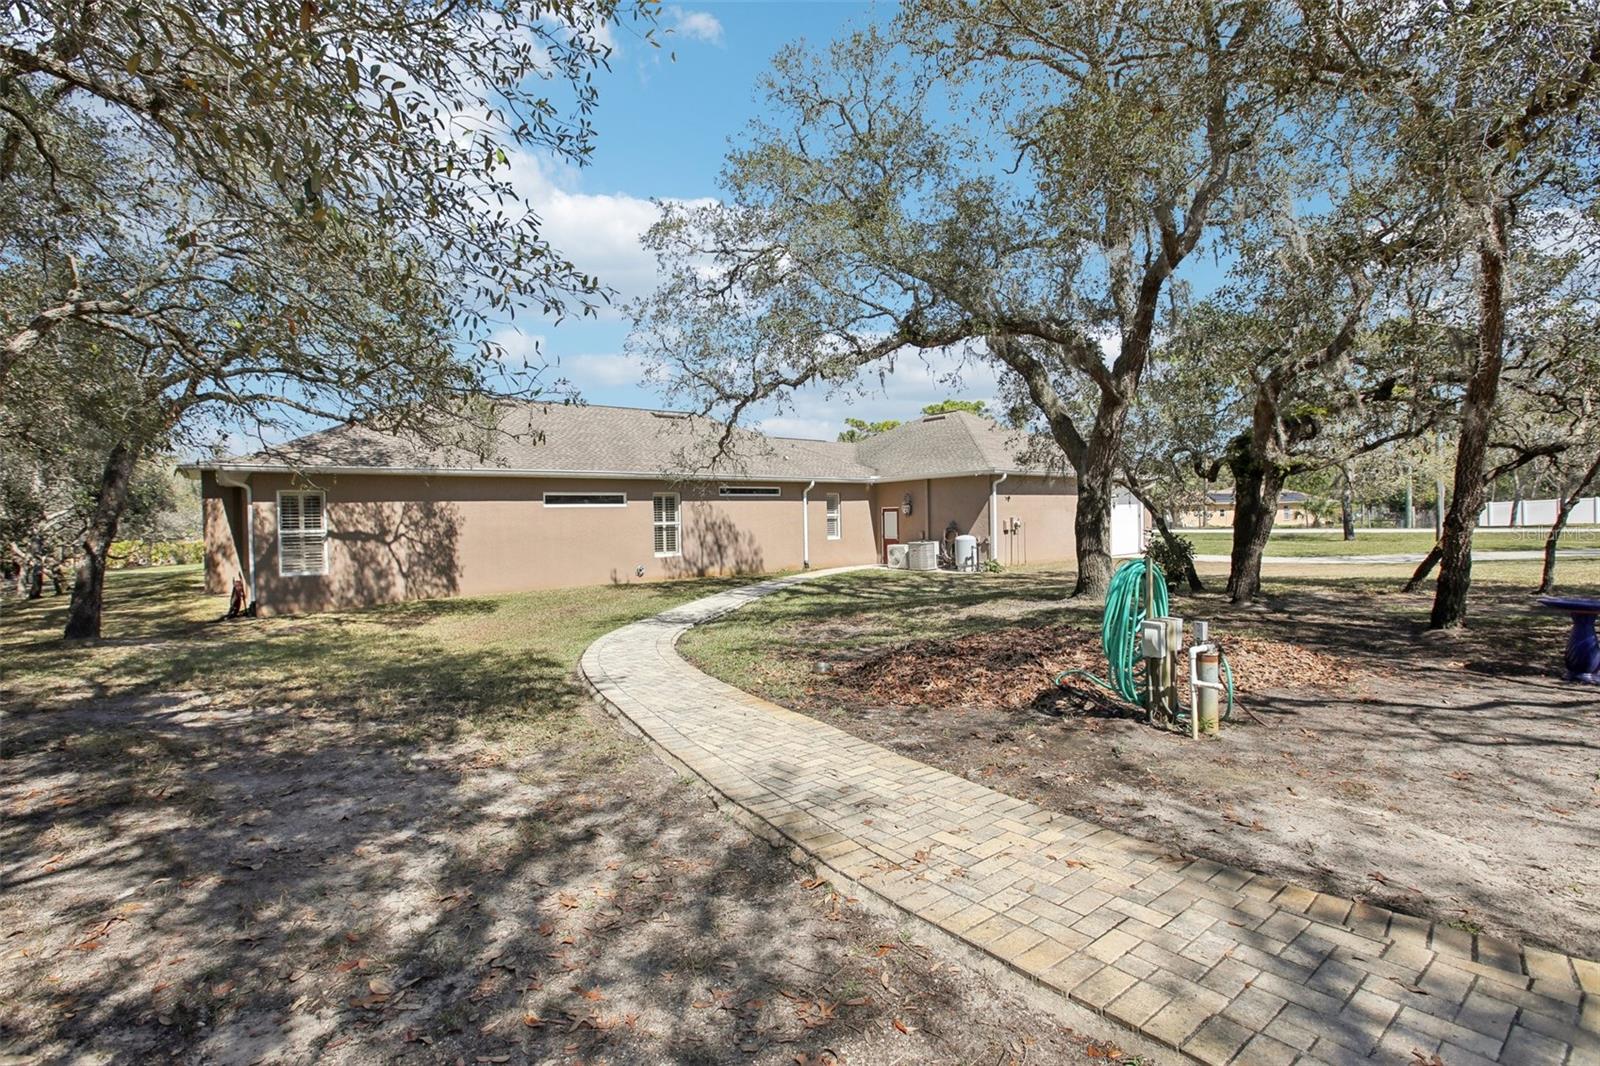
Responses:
[1226,965]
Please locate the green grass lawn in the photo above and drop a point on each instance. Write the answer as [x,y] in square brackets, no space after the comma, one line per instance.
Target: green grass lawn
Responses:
[1389,541]
[500,667]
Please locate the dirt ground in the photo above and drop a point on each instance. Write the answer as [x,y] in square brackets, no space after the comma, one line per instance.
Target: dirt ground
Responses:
[205,876]
[1455,779]
[266,889]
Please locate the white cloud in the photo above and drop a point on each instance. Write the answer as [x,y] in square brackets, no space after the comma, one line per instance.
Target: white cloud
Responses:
[521,349]
[819,412]
[1111,345]
[809,428]
[600,232]
[695,25]
[602,371]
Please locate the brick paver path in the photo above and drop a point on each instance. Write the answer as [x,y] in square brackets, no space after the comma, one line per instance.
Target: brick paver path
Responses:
[1229,966]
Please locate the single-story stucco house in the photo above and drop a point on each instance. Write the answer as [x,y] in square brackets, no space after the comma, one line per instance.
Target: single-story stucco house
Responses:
[1217,511]
[579,495]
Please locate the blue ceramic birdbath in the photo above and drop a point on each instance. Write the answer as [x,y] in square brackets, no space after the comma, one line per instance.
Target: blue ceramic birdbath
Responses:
[1583,650]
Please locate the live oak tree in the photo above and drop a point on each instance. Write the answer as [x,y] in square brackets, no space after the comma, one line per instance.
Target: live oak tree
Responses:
[1585,480]
[971,407]
[1556,391]
[290,114]
[1016,182]
[1493,112]
[255,213]
[54,441]
[859,429]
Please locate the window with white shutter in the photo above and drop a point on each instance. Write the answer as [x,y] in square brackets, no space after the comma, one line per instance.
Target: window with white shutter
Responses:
[833,516]
[665,522]
[302,534]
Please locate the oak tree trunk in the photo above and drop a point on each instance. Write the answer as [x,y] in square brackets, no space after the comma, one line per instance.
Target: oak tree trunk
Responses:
[1096,470]
[1092,526]
[1547,578]
[1256,488]
[83,614]
[1347,509]
[1424,568]
[1477,413]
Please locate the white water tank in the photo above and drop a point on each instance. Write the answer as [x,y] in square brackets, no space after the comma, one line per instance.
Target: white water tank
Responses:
[924,555]
[966,552]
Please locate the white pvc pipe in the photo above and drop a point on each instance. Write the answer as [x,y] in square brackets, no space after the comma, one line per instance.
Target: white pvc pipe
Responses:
[805,525]
[994,516]
[1195,685]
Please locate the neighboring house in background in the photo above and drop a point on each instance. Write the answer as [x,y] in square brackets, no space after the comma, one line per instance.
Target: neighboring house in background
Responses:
[579,495]
[1218,511]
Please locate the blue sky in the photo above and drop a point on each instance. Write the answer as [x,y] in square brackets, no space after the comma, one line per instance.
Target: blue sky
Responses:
[663,130]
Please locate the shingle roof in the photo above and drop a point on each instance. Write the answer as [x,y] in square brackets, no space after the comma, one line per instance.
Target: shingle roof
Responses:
[634,442]
[955,443]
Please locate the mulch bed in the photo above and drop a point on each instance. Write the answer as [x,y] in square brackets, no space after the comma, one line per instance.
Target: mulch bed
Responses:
[1017,667]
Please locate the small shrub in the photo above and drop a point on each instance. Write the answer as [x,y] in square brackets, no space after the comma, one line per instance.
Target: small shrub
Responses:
[993,566]
[1173,557]
[132,554]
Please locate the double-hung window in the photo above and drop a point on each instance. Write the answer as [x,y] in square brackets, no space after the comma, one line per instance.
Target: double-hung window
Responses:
[833,516]
[664,519]
[302,534]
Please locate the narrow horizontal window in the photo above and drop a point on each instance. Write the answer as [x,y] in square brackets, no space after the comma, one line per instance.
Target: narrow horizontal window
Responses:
[585,499]
[750,490]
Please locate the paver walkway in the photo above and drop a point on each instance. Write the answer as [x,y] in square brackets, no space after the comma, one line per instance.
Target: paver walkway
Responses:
[1229,966]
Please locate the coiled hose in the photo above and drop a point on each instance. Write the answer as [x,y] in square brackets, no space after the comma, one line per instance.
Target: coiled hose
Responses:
[1119,633]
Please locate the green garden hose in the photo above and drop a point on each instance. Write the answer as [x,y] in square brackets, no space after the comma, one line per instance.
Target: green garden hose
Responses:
[1119,633]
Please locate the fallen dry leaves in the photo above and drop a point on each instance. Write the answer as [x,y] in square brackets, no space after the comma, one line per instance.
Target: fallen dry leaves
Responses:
[1016,666]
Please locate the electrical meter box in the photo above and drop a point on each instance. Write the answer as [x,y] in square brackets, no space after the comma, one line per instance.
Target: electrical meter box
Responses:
[1153,638]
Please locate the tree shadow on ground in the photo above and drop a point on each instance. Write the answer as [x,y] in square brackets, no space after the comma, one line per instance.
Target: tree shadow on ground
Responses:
[261,871]
[397,834]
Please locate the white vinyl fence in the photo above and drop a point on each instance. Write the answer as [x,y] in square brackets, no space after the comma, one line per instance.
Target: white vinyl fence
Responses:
[1539,513]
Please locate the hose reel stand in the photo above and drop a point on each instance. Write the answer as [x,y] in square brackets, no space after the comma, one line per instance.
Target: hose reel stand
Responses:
[1136,629]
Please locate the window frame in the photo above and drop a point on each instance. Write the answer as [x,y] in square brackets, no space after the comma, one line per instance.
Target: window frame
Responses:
[621,499]
[322,514]
[833,516]
[750,492]
[675,524]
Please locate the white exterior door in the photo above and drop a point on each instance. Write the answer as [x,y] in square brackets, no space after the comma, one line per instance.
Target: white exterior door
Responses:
[1127,526]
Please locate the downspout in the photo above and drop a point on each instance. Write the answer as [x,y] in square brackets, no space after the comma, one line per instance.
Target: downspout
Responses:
[994,516]
[235,481]
[805,525]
